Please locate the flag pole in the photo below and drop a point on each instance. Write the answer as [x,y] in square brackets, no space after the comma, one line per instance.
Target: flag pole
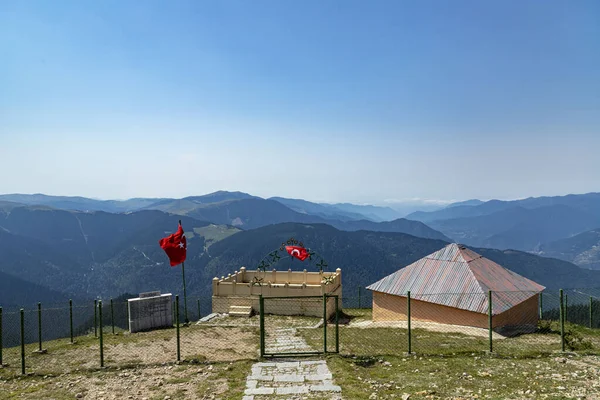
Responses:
[184,291]
[184,294]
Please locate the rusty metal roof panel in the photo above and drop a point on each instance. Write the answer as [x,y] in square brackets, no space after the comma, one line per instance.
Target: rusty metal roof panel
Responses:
[458,277]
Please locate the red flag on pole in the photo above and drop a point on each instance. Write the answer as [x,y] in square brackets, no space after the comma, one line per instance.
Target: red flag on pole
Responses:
[175,246]
[298,252]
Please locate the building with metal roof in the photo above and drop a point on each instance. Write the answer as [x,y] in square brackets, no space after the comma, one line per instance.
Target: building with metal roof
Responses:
[452,286]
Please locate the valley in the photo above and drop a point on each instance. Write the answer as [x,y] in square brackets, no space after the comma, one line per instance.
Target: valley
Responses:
[84,254]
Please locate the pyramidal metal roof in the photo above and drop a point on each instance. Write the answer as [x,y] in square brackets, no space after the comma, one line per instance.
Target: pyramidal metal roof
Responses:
[456,276]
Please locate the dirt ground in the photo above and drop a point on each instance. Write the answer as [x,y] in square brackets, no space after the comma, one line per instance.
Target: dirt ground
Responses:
[203,343]
[214,344]
[430,326]
[140,383]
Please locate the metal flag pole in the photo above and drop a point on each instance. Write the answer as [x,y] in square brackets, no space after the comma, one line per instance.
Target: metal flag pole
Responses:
[185,313]
[184,294]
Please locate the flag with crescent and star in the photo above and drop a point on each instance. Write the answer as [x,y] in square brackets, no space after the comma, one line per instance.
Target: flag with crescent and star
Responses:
[298,252]
[175,246]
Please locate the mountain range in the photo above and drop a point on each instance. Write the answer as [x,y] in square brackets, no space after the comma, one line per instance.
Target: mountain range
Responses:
[582,249]
[58,247]
[334,211]
[243,211]
[528,224]
[49,254]
[588,203]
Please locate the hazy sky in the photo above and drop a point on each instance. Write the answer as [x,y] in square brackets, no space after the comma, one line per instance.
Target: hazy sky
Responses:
[362,101]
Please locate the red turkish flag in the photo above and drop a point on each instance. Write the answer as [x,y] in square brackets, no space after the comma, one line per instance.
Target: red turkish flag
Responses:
[296,251]
[175,246]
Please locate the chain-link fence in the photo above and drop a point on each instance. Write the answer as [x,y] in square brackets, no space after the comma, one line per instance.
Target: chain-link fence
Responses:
[59,338]
[294,325]
[506,323]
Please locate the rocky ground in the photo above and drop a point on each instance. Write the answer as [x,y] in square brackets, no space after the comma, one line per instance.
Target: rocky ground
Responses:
[165,382]
[464,377]
[407,377]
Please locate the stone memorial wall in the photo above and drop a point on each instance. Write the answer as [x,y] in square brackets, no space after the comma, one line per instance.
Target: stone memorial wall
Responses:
[150,311]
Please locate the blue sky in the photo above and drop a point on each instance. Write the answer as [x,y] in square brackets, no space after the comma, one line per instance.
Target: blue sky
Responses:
[357,101]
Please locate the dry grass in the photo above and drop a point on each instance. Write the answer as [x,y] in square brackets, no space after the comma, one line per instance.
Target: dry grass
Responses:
[447,365]
[199,381]
[157,347]
[467,377]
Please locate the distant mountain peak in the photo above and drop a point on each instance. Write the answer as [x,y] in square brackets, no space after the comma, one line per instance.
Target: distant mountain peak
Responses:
[219,196]
[471,202]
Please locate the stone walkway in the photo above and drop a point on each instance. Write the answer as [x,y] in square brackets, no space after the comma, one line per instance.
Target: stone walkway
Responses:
[299,379]
[290,379]
[285,341]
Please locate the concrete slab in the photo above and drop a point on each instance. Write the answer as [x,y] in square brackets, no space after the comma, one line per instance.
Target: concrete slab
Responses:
[208,317]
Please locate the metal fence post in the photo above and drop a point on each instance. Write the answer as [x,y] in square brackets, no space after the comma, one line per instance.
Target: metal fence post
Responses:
[408,320]
[324,323]
[71,319]
[541,305]
[22,341]
[101,334]
[359,297]
[177,327]
[490,317]
[566,307]
[337,324]
[199,313]
[112,316]
[95,318]
[562,321]
[261,310]
[0,336]
[40,326]
[591,314]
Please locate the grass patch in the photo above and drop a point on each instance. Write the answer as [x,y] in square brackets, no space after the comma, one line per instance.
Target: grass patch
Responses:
[356,315]
[228,381]
[173,381]
[214,233]
[464,377]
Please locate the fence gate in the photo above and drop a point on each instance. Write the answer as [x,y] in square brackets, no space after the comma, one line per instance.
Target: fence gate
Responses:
[299,325]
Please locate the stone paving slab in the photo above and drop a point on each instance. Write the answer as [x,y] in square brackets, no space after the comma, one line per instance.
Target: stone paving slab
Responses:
[285,341]
[263,377]
[320,377]
[260,391]
[325,388]
[290,378]
[298,379]
[251,384]
[292,390]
